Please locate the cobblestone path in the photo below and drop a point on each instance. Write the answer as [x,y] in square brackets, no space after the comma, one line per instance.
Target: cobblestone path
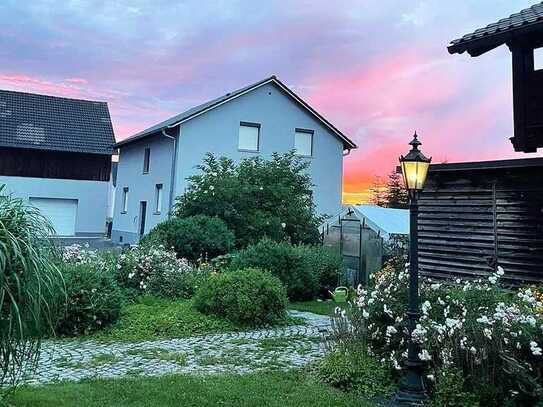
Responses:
[240,352]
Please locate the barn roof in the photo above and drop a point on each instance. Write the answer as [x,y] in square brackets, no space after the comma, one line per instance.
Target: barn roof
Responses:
[526,22]
[43,122]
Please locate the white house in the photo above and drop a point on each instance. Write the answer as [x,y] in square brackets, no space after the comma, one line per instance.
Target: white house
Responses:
[259,119]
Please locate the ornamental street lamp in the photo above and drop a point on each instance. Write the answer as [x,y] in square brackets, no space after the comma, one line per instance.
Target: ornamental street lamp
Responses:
[415,169]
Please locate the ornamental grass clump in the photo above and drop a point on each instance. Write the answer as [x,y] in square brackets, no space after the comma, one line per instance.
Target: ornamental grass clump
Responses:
[490,334]
[31,287]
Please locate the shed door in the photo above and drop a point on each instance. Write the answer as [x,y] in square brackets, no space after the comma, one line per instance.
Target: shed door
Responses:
[60,212]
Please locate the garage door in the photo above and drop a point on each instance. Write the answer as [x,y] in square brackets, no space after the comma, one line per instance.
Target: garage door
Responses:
[60,212]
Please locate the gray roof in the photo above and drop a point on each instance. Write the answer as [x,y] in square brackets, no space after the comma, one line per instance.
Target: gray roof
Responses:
[484,39]
[44,122]
[192,112]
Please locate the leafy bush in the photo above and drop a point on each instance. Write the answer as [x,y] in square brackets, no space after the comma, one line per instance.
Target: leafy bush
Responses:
[303,269]
[177,283]
[255,198]
[449,391]
[245,297]
[153,270]
[327,263]
[193,237]
[94,299]
[355,371]
[31,287]
[490,334]
[285,261]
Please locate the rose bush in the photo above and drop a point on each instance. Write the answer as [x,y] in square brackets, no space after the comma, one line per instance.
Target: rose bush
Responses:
[490,334]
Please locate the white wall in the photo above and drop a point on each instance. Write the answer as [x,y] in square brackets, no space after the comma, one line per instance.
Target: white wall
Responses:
[91,197]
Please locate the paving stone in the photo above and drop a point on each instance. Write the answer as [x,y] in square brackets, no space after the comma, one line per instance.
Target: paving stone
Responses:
[237,352]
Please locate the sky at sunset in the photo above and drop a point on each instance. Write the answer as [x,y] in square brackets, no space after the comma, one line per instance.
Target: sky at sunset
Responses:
[377,69]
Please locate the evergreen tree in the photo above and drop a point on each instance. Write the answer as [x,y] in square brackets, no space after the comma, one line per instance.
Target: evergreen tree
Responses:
[377,192]
[396,195]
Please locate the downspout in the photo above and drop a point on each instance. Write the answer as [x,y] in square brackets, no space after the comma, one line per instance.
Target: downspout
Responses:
[172,171]
[346,153]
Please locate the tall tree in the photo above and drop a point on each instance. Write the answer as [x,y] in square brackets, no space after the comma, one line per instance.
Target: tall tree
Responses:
[378,192]
[395,194]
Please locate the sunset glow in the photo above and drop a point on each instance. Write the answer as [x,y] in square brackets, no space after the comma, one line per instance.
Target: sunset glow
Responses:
[378,70]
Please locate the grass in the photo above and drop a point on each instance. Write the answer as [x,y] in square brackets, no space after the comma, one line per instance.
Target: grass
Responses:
[152,318]
[268,389]
[316,307]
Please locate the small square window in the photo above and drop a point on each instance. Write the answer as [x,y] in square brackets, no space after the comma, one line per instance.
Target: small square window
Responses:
[158,198]
[125,200]
[303,142]
[146,160]
[249,135]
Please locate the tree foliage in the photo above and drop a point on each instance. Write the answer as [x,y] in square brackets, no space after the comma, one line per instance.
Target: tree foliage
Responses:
[255,198]
[395,193]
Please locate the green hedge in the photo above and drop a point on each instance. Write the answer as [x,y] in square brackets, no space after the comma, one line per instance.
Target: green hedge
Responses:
[305,270]
[245,297]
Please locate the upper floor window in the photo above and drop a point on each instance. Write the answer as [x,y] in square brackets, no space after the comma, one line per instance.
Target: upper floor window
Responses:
[158,198]
[146,160]
[125,200]
[249,136]
[303,142]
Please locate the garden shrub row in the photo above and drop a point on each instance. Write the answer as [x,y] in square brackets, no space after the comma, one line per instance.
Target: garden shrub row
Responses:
[304,270]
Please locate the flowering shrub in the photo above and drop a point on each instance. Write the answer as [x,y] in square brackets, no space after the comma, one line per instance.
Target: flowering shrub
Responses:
[490,334]
[94,299]
[78,254]
[154,270]
[255,197]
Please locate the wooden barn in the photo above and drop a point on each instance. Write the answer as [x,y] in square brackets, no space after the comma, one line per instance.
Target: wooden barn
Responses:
[478,215]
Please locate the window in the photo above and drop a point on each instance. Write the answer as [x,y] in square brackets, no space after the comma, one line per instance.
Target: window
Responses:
[146,160]
[303,142]
[158,198]
[125,200]
[249,134]
[538,59]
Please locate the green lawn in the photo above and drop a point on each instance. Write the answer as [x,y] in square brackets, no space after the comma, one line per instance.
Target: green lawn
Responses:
[152,318]
[268,389]
[317,307]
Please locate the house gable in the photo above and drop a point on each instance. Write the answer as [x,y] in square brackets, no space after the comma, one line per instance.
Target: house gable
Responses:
[211,105]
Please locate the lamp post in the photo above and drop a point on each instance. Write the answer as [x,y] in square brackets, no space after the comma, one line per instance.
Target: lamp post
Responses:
[414,169]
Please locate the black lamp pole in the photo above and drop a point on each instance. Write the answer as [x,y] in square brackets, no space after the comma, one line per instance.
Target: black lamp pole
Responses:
[414,167]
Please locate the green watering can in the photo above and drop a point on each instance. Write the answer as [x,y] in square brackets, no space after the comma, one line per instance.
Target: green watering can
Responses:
[340,294]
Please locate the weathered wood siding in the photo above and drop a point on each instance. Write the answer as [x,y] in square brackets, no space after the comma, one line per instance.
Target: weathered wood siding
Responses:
[473,219]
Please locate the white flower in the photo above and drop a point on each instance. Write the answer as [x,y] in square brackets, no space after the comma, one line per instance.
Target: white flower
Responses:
[484,320]
[431,377]
[283,225]
[500,271]
[424,355]
[365,314]
[535,349]
[488,333]
[211,187]
[426,306]
[391,331]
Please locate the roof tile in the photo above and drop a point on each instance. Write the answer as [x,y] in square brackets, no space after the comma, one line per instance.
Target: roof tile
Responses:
[45,122]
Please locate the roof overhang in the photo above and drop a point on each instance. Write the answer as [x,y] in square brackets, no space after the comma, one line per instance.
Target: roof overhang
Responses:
[347,143]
